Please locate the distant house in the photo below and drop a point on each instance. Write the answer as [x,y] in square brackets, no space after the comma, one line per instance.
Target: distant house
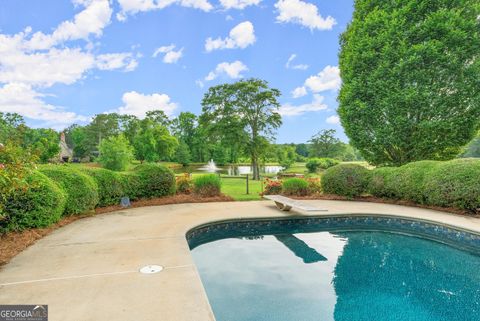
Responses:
[66,153]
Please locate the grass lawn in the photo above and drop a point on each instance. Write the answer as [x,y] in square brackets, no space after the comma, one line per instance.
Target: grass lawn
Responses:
[236,188]
[297,168]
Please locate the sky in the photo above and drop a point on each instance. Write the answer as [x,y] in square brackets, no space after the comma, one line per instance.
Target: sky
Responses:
[62,61]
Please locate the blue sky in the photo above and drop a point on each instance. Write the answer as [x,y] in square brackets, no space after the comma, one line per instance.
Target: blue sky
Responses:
[63,61]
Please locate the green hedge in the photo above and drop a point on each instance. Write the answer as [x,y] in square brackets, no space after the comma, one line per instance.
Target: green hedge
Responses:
[346,179]
[295,187]
[81,189]
[109,183]
[409,180]
[454,184]
[207,185]
[314,164]
[39,205]
[155,180]
[131,185]
[380,183]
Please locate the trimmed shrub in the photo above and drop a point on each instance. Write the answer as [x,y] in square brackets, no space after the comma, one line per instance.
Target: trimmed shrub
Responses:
[346,179]
[314,164]
[272,187]
[314,186]
[39,204]
[295,187]
[184,184]
[81,189]
[109,183]
[155,180]
[454,184]
[380,184]
[409,180]
[406,182]
[207,185]
[131,185]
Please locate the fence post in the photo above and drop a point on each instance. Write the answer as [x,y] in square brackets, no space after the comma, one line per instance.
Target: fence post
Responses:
[247,184]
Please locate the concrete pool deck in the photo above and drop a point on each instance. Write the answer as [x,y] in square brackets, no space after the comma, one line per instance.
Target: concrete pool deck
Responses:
[88,270]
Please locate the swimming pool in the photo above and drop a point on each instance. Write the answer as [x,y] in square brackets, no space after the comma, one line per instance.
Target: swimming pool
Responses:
[356,268]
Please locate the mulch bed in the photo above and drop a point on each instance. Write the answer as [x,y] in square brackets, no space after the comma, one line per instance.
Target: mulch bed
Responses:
[15,242]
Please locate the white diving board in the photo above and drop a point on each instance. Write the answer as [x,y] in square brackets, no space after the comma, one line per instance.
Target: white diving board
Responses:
[286,204]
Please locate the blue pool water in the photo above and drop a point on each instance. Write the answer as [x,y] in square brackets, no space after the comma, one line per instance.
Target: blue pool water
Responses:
[354,276]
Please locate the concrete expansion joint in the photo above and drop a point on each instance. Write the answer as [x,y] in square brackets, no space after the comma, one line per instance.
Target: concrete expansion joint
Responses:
[119,240]
[89,275]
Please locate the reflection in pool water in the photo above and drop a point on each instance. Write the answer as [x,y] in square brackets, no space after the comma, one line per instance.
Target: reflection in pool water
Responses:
[339,276]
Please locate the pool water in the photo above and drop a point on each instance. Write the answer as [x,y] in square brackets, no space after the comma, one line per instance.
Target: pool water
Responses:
[354,276]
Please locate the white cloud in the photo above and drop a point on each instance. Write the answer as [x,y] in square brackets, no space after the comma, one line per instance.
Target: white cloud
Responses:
[327,79]
[316,105]
[22,99]
[289,65]
[238,4]
[232,70]
[92,20]
[138,104]
[303,13]
[29,63]
[131,7]
[44,69]
[299,92]
[335,120]
[241,36]
[171,55]
[116,61]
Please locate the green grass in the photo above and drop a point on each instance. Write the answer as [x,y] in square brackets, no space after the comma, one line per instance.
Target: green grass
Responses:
[236,188]
[297,168]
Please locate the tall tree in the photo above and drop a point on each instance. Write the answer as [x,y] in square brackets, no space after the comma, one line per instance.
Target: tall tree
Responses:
[103,126]
[248,106]
[12,126]
[78,139]
[410,84]
[42,142]
[326,144]
[116,153]
[184,127]
[153,142]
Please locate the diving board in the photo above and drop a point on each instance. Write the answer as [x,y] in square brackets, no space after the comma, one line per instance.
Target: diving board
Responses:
[286,204]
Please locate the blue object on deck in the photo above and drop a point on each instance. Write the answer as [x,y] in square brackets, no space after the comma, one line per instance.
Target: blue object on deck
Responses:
[125,202]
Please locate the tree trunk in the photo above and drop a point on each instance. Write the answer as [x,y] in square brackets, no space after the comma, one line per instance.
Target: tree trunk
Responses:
[255,167]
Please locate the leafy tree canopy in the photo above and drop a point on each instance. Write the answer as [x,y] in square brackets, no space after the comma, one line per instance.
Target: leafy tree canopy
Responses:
[246,110]
[410,78]
[116,153]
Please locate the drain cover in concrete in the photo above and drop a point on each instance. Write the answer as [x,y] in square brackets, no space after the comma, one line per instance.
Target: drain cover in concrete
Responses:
[150,269]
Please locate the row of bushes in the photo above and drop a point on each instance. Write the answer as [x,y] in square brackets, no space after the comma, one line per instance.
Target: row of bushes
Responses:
[293,187]
[204,185]
[315,164]
[453,183]
[54,191]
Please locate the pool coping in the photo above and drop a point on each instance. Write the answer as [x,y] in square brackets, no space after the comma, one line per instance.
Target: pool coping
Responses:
[98,258]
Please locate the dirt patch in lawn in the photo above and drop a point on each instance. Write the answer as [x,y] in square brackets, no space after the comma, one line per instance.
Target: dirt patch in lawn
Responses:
[15,242]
